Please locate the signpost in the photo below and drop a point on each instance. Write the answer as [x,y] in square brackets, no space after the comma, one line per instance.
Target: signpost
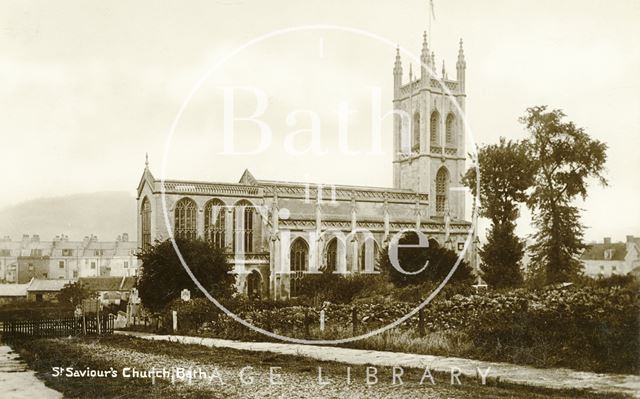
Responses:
[175,320]
[132,306]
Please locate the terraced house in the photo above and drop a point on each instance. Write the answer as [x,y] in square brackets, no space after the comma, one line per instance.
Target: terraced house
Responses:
[275,231]
[61,258]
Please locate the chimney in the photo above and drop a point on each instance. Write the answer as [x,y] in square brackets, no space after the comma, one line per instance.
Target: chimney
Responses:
[607,241]
[35,238]
[125,237]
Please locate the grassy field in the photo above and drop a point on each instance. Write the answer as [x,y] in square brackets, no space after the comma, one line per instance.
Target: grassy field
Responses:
[299,376]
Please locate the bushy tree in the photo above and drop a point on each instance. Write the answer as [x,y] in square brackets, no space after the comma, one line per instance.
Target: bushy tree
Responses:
[565,158]
[441,261]
[163,276]
[73,294]
[506,173]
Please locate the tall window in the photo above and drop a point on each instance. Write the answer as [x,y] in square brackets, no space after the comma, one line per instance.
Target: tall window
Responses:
[415,143]
[332,255]
[442,188]
[243,226]
[433,126]
[450,126]
[214,222]
[254,285]
[146,223]
[185,215]
[368,254]
[299,263]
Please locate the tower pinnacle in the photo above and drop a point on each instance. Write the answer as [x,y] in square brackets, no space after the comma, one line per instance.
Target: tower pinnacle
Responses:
[397,74]
[461,66]
[424,59]
[461,62]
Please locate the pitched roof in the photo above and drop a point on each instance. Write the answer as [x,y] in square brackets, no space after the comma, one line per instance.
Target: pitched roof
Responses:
[597,251]
[108,283]
[247,178]
[47,285]
[13,290]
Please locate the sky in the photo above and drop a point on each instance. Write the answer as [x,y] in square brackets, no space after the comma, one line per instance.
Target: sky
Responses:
[87,88]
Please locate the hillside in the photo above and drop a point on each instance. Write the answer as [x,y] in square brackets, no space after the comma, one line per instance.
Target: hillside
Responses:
[105,214]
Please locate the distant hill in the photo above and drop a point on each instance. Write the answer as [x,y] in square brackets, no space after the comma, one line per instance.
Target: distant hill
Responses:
[105,214]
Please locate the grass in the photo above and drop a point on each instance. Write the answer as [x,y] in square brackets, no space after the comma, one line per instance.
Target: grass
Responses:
[43,354]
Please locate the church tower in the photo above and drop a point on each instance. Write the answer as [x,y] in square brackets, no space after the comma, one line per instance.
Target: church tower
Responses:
[428,133]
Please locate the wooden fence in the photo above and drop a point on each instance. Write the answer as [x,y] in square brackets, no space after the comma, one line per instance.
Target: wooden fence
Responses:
[57,327]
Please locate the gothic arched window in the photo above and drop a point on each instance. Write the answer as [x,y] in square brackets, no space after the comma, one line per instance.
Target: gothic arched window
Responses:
[332,255]
[433,126]
[254,285]
[415,143]
[450,129]
[369,251]
[299,263]
[185,219]
[442,189]
[145,211]
[243,226]
[214,222]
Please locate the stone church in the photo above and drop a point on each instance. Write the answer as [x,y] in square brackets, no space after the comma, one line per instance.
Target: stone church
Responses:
[275,231]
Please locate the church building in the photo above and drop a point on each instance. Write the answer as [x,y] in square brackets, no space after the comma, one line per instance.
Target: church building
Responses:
[275,231]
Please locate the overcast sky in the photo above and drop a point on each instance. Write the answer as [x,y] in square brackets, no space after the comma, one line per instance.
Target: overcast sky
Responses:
[88,87]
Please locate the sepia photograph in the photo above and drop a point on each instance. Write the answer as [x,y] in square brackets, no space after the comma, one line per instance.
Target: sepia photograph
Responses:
[320,199]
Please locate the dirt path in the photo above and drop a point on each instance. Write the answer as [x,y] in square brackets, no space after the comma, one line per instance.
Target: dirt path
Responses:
[232,373]
[287,380]
[509,373]
[18,382]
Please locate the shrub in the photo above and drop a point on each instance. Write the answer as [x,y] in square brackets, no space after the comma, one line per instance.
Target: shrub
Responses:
[338,288]
[163,276]
[440,262]
[589,328]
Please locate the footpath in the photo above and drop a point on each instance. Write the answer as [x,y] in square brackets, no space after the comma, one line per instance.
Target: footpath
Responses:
[18,382]
[468,368]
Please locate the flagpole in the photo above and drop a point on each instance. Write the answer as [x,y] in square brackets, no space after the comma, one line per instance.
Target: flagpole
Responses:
[429,11]
[431,16]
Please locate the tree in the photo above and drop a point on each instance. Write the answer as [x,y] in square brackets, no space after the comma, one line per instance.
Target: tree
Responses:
[73,294]
[506,174]
[502,256]
[565,157]
[163,276]
[441,261]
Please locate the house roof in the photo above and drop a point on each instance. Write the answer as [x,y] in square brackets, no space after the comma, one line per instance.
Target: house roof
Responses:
[597,251]
[13,290]
[108,283]
[56,248]
[47,285]
[249,186]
